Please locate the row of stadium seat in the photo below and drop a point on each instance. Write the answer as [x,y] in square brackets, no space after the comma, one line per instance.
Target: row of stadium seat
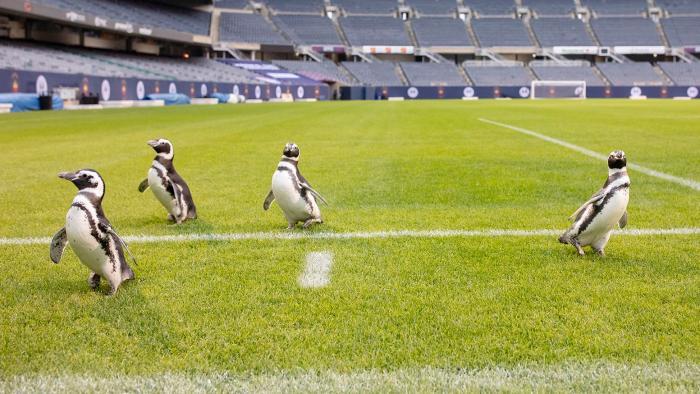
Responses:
[431,32]
[601,8]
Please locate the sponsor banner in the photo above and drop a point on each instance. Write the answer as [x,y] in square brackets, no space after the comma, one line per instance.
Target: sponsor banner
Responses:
[645,50]
[592,50]
[400,50]
[328,49]
[692,49]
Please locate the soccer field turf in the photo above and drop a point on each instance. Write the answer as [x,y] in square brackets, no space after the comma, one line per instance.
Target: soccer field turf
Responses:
[470,309]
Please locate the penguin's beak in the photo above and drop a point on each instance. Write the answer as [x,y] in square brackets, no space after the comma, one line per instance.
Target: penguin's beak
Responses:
[69,176]
[152,143]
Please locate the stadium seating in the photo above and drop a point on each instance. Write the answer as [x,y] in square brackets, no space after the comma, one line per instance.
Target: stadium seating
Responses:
[296,6]
[433,7]
[616,7]
[367,7]
[561,32]
[141,12]
[309,29]
[491,7]
[498,75]
[374,74]
[568,73]
[687,74]
[235,4]
[249,28]
[682,31]
[441,32]
[501,32]
[550,7]
[326,71]
[374,30]
[432,74]
[616,31]
[631,74]
[680,7]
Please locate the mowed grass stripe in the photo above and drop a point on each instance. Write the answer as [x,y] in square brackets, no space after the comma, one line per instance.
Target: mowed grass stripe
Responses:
[357,235]
[602,376]
[645,170]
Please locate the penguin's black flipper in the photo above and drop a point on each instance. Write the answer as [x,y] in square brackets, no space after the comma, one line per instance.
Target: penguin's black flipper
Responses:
[58,245]
[623,220]
[314,192]
[268,200]
[143,185]
[595,198]
[107,228]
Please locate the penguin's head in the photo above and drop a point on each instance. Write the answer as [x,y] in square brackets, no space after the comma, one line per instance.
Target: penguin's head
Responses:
[617,160]
[163,148]
[87,179]
[291,151]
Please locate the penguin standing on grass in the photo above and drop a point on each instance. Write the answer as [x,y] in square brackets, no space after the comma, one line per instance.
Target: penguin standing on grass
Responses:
[90,234]
[167,185]
[596,218]
[293,192]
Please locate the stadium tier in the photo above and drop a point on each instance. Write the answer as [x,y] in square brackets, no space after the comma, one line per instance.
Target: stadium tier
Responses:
[375,30]
[296,6]
[432,74]
[683,74]
[433,7]
[367,7]
[441,32]
[501,32]
[550,7]
[499,75]
[325,71]
[631,74]
[234,4]
[142,12]
[248,28]
[616,7]
[621,31]
[561,32]
[308,29]
[568,73]
[680,7]
[374,74]
[491,7]
[682,31]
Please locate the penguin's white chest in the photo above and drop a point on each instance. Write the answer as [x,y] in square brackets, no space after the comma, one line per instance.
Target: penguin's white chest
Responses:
[162,195]
[610,214]
[289,198]
[79,232]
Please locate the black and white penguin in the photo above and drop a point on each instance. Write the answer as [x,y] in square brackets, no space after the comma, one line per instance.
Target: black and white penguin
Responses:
[293,192]
[167,185]
[595,219]
[90,234]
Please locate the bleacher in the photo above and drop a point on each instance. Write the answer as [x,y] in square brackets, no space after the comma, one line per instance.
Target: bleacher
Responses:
[501,32]
[441,32]
[491,7]
[568,73]
[374,74]
[432,74]
[631,74]
[233,4]
[371,7]
[682,31]
[433,7]
[374,30]
[616,7]
[308,29]
[561,32]
[248,28]
[682,73]
[550,7]
[141,12]
[680,7]
[621,31]
[296,6]
[325,72]
[499,75]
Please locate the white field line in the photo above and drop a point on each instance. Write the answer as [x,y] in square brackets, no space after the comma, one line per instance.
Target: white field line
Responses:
[146,239]
[317,271]
[570,377]
[644,170]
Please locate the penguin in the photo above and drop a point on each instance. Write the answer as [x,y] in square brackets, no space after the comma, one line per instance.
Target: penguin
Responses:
[167,185]
[293,192]
[595,219]
[90,234]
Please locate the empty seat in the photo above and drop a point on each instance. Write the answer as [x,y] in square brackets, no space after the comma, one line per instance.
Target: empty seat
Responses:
[616,7]
[309,29]
[252,28]
[561,32]
[326,71]
[236,4]
[631,74]
[682,31]
[491,7]
[441,32]
[365,7]
[374,74]
[626,32]
[684,74]
[499,75]
[551,7]
[295,6]
[568,73]
[432,74]
[375,30]
[433,7]
[680,7]
[501,32]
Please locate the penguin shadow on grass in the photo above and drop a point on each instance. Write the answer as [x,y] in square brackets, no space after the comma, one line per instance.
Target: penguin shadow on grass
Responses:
[188,226]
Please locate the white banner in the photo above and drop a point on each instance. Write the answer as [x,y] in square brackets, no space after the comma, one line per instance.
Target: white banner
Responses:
[388,49]
[626,50]
[575,50]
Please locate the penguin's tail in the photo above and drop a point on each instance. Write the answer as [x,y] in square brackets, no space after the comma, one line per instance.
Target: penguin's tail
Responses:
[565,238]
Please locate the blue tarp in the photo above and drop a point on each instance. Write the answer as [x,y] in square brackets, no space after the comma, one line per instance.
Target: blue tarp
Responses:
[222,97]
[170,98]
[26,101]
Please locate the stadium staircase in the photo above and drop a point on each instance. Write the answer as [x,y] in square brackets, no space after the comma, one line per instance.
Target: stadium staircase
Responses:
[530,32]
[402,75]
[472,34]
[341,33]
[408,26]
[464,75]
[600,75]
[666,78]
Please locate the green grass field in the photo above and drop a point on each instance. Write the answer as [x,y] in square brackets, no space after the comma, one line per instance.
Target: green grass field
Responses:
[400,314]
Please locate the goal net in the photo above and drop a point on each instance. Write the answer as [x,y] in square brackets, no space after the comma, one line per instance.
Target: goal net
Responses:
[558,89]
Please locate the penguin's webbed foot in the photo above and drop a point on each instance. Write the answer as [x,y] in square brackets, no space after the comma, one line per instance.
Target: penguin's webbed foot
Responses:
[94,280]
[578,247]
[600,252]
[311,222]
[171,218]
